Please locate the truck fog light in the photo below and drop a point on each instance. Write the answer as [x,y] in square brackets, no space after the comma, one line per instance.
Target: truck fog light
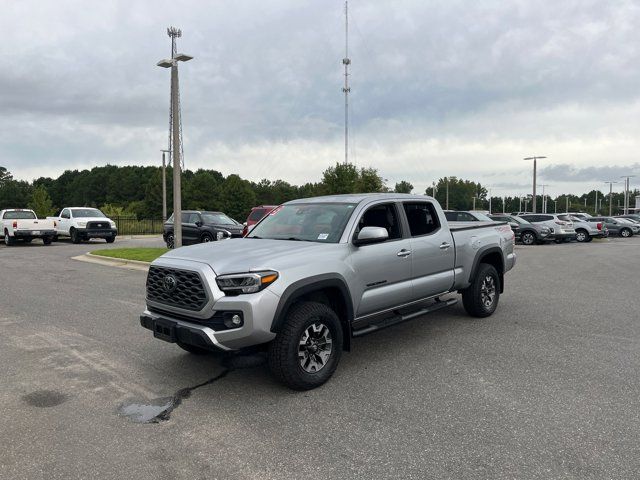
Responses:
[233,320]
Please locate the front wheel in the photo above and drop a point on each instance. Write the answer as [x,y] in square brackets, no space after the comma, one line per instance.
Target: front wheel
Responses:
[170,241]
[625,232]
[110,239]
[306,351]
[47,240]
[481,298]
[75,236]
[206,238]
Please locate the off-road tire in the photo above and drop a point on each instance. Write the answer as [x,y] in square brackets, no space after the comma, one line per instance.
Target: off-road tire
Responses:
[75,236]
[528,238]
[472,297]
[193,349]
[283,351]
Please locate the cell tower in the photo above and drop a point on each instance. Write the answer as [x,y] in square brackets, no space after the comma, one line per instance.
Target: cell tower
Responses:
[346,61]
[175,33]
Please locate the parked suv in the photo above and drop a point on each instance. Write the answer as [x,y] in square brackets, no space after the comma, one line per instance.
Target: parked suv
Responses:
[317,272]
[202,227]
[256,214]
[528,233]
[586,227]
[619,226]
[561,228]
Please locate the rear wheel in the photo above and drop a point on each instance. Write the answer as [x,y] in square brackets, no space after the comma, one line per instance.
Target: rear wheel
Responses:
[47,240]
[75,236]
[528,238]
[8,241]
[582,236]
[625,232]
[306,351]
[481,298]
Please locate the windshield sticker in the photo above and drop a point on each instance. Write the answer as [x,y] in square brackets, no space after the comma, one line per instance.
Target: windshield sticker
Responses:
[323,236]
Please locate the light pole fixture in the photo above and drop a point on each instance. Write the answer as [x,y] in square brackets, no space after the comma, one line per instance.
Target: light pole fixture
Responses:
[175,131]
[164,184]
[626,192]
[535,164]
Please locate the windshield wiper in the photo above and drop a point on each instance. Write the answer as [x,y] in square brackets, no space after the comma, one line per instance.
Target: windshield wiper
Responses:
[298,239]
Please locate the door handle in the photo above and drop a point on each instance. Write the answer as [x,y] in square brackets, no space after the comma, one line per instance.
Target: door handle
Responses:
[404,253]
[444,246]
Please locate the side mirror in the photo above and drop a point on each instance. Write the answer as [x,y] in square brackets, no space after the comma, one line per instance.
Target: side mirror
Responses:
[370,235]
[198,223]
[244,224]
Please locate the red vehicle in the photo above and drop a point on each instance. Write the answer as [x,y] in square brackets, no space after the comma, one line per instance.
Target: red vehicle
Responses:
[257,214]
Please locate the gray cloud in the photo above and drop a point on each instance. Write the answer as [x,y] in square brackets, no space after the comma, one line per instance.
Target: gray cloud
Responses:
[570,173]
[438,88]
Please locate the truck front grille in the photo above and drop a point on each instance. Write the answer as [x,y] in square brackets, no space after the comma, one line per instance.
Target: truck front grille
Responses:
[176,288]
[99,225]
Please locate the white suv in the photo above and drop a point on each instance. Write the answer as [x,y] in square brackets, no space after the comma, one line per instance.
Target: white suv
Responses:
[561,228]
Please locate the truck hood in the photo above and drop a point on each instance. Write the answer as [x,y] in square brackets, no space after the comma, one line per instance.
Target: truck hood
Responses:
[92,219]
[240,255]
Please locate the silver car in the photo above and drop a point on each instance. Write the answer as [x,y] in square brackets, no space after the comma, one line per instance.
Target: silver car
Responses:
[561,228]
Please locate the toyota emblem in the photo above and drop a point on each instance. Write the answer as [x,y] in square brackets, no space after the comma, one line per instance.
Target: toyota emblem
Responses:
[169,283]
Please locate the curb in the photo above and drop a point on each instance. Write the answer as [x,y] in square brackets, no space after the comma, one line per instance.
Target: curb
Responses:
[113,262]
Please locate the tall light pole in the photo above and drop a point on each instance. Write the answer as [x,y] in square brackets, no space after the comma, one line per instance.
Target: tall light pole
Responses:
[175,131]
[610,195]
[164,184]
[447,200]
[346,61]
[596,206]
[544,198]
[626,192]
[535,165]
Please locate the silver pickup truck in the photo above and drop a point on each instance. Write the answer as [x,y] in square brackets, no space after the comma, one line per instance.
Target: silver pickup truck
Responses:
[316,273]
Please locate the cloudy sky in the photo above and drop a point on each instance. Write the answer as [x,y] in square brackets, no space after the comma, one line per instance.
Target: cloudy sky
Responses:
[438,88]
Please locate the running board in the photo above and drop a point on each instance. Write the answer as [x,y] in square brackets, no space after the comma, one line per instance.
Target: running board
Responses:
[399,318]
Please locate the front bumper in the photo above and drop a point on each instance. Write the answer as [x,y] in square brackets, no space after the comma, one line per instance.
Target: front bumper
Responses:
[196,328]
[102,233]
[31,234]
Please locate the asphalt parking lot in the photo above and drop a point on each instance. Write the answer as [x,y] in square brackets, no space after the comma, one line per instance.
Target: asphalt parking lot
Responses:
[545,388]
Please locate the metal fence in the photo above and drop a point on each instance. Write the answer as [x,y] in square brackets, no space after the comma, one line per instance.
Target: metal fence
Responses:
[134,226]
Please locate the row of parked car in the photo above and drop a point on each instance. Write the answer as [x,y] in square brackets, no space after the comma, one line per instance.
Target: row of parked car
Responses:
[537,228]
[77,223]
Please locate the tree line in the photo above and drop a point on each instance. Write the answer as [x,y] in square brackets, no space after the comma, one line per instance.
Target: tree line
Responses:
[137,191]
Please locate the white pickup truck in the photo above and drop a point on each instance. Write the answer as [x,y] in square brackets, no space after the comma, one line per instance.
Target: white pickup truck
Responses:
[83,223]
[19,224]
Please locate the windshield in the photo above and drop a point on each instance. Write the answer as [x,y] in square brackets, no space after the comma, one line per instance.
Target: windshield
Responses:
[87,213]
[20,215]
[312,222]
[217,219]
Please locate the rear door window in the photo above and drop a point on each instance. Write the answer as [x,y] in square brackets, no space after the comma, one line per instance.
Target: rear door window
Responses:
[422,218]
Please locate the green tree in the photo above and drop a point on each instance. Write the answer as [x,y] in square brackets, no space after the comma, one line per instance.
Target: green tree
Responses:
[370,181]
[5,176]
[403,187]
[41,202]
[340,179]
[237,197]
[461,193]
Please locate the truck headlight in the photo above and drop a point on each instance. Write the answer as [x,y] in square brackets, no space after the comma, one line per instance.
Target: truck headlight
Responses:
[246,282]
[113,224]
[82,224]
